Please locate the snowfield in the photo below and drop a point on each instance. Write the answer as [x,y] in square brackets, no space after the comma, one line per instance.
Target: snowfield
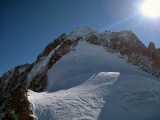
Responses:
[83,102]
[90,83]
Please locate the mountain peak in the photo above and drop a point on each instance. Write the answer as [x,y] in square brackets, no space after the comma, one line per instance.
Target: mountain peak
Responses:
[81,32]
[84,30]
[84,65]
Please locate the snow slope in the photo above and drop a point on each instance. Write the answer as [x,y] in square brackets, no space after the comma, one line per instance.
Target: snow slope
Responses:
[83,102]
[90,83]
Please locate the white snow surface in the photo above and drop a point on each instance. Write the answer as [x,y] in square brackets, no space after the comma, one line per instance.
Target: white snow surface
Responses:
[83,102]
[90,83]
[83,32]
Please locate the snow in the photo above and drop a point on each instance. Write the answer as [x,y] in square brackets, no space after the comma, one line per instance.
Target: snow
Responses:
[85,60]
[90,83]
[83,32]
[39,67]
[81,102]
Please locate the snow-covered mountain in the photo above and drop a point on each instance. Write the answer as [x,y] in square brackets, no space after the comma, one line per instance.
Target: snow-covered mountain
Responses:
[88,75]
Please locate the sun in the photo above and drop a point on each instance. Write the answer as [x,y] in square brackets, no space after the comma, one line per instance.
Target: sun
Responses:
[151,8]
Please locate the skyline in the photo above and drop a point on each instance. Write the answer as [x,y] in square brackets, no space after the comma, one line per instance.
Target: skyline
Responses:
[27,26]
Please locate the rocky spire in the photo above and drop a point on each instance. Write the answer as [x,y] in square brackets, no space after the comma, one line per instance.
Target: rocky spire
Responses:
[151,46]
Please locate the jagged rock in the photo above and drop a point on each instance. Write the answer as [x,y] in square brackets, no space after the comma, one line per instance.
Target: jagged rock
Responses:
[18,102]
[151,46]
[52,46]
[39,83]
[153,53]
[10,81]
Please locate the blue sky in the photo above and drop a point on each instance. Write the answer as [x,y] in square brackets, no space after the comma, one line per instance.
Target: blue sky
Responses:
[27,26]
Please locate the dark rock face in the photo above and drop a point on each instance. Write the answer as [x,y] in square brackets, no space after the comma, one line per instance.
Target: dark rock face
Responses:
[126,43]
[19,103]
[151,46]
[154,54]
[12,79]
[39,83]
[51,46]
[9,86]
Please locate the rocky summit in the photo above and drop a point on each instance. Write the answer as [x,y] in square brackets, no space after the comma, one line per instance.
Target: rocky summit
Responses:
[86,75]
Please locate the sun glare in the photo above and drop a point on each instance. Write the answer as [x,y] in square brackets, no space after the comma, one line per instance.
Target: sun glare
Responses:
[151,8]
